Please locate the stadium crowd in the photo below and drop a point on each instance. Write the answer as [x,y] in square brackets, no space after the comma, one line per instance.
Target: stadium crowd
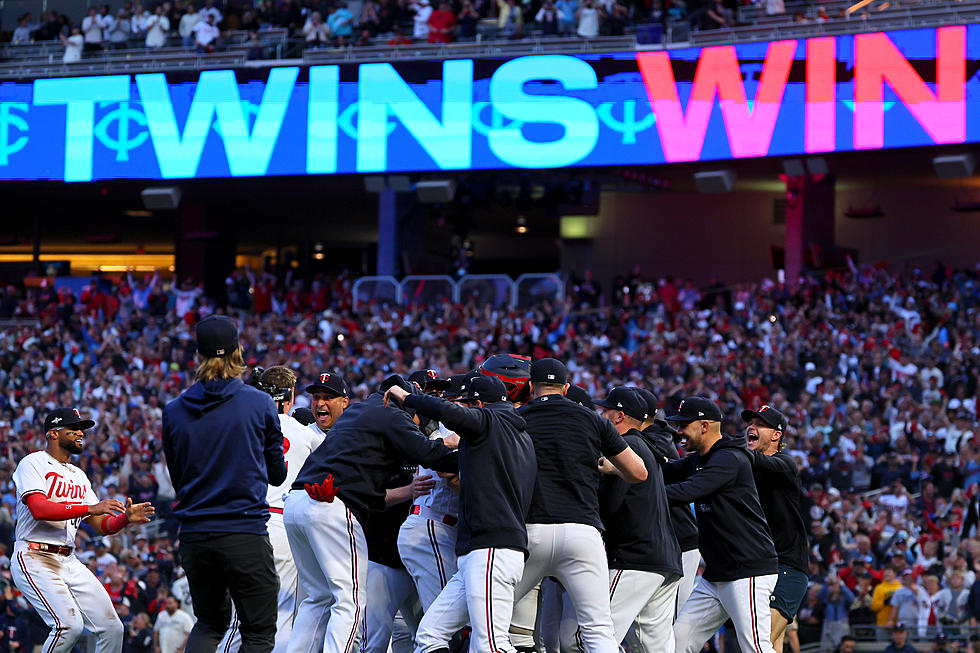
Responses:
[329,23]
[877,371]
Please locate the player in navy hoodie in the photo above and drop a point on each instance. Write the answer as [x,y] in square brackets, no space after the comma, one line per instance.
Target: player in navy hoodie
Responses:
[223,445]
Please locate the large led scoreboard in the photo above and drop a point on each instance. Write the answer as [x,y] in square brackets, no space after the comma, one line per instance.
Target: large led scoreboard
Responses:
[827,94]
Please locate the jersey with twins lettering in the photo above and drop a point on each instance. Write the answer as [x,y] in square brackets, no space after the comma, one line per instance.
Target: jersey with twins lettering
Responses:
[298,442]
[40,473]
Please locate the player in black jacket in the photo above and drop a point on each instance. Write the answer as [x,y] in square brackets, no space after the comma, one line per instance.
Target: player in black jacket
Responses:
[644,557]
[340,482]
[740,559]
[496,471]
[777,479]
[660,437]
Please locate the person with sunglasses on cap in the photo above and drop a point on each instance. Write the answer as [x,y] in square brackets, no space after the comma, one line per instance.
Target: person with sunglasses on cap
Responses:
[496,465]
[660,437]
[644,556]
[341,484]
[777,480]
[298,442]
[329,399]
[740,559]
[224,447]
[563,524]
[53,498]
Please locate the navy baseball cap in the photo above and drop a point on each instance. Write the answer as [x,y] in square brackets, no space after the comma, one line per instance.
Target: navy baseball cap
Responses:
[458,383]
[216,336]
[331,382]
[549,371]
[651,400]
[627,400]
[767,414]
[581,396]
[695,409]
[488,389]
[428,381]
[63,418]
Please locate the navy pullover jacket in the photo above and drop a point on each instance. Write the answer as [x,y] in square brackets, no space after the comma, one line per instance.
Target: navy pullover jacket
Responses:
[223,445]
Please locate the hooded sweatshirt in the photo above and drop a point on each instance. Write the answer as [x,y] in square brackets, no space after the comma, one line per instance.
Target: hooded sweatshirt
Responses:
[733,535]
[496,472]
[223,444]
[638,531]
[660,438]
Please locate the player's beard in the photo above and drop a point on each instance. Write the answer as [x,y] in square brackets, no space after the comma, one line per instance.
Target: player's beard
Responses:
[71,446]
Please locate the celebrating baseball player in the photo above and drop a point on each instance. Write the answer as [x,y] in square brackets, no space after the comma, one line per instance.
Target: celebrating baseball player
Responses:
[427,539]
[340,482]
[777,479]
[644,557]
[740,559]
[659,436]
[496,466]
[564,526]
[298,442]
[53,498]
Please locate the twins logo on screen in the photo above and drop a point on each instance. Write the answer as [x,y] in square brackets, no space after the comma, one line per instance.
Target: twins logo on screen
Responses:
[788,97]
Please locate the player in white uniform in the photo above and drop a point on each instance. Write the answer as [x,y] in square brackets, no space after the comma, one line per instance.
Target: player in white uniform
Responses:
[298,442]
[427,539]
[53,497]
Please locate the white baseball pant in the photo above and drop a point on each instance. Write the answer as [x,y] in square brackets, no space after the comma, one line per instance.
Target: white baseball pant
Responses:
[480,593]
[690,560]
[525,619]
[68,597]
[331,558]
[745,601]
[575,555]
[389,591]
[287,601]
[647,598]
[427,548]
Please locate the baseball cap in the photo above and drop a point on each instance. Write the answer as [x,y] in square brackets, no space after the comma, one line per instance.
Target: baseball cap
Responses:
[428,380]
[331,382]
[899,628]
[216,336]
[488,389]
[651,401]
[693,409]
[458,384]
[580,395]
[627,400]
[549,371]
[767,414]
[62,418]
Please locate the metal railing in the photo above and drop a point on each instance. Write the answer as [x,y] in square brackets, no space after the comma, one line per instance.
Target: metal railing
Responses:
[495,290]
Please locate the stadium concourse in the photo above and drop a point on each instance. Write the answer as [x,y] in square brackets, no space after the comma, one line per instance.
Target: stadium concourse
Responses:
[875,368]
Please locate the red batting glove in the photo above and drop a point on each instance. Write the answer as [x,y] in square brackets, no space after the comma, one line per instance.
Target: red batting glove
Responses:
[323,491]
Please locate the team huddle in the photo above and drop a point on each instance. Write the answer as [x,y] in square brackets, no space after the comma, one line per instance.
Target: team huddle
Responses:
[499,510]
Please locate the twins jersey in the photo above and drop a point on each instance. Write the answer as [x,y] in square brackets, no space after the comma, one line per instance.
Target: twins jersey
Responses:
[40,473]
[298,442]
[441,498]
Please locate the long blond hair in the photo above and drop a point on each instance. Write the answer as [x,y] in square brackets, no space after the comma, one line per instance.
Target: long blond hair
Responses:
[220,367]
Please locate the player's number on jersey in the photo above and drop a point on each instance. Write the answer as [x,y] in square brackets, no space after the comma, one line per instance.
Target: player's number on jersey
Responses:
[285,448]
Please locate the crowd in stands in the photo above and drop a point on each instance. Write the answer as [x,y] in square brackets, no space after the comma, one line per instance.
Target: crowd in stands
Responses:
[877,370]
[331,23]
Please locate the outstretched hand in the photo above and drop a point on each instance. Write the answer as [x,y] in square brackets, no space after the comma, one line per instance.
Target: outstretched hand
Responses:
[139,513]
